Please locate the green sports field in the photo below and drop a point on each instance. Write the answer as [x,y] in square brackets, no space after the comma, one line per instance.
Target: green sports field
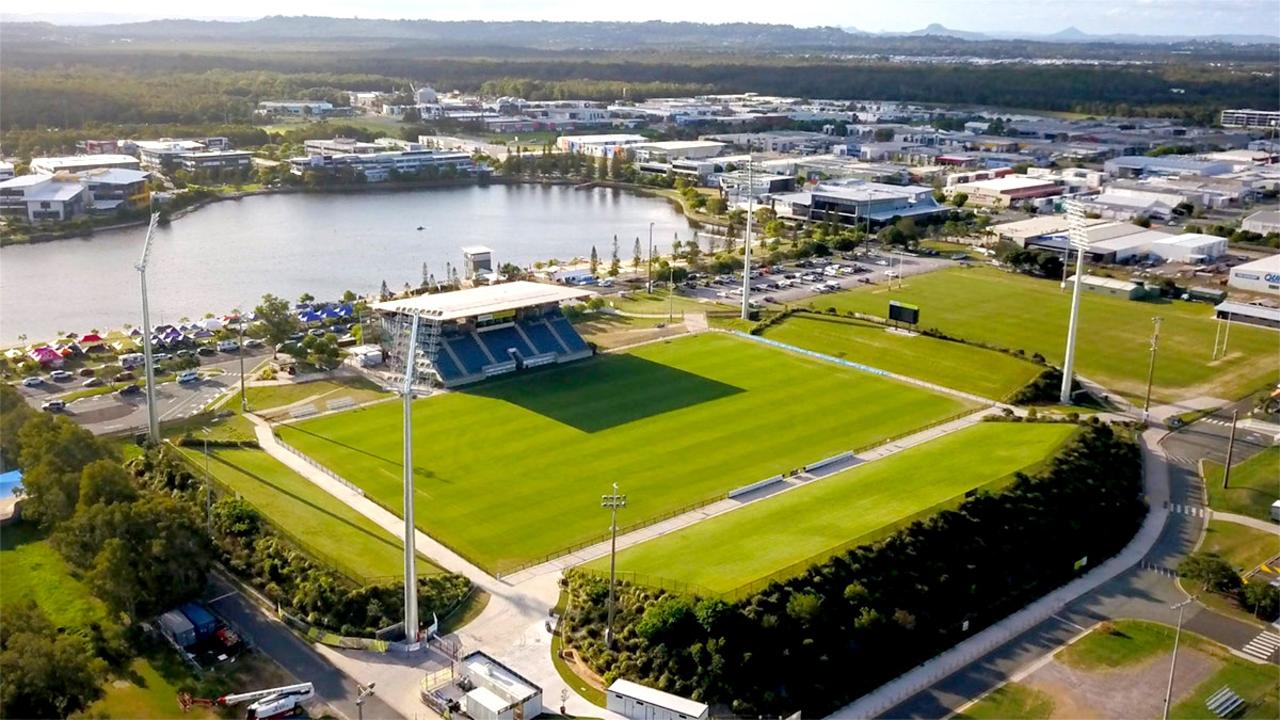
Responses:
[1020,312]
[332,531]
[1253,485]
[785,534]
[976,370]
[513,469]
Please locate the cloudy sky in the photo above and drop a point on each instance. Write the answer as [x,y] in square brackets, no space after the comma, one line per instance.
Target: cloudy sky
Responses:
[1150,17]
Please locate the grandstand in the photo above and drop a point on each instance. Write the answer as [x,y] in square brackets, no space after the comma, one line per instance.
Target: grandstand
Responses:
[468,335]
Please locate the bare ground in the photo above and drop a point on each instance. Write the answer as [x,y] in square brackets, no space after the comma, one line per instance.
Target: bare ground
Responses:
[1123,693]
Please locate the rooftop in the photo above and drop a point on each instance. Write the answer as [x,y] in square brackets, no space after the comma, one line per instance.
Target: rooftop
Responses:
[71,162]
[1270,263]
[482,300]
[666,700]
[114,176]
[1009,182]
[1106,282]
[1261,312]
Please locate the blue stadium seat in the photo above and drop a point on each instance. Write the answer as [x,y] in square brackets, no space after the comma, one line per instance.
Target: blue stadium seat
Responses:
[569,336]
[500,339]
[469,353]
[446,367]
[544,340]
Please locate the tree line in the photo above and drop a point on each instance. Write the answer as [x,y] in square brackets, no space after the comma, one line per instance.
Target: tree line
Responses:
[816,642]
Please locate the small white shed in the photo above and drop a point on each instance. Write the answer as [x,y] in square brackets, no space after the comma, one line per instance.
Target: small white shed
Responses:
[639,702]
[499,692]
[1275,511]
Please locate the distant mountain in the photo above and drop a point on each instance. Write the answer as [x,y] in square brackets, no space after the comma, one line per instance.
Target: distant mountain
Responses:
[938,30]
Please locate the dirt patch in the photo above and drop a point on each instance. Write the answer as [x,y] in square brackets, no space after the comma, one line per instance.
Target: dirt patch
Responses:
[609,338]
[1124,693]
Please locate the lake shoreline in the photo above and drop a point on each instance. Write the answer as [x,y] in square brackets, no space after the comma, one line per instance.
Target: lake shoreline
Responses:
[697,219]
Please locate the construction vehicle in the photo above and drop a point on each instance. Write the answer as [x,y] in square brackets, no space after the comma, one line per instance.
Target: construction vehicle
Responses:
[277,702]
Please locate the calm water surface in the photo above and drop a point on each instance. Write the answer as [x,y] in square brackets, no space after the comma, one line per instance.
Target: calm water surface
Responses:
[228,254]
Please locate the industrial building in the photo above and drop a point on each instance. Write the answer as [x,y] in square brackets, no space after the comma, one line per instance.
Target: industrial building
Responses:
[599,145]
[1263,222]
[79,163]
[1260,276]
[498,692]
[1190,248]
[1250,118]
[1143,165]
[44,197]
[678,150]
[1112,287]
[1006,191]
[857,202]
[640,702]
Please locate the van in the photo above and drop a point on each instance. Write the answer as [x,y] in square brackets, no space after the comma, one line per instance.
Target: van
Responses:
[132,360]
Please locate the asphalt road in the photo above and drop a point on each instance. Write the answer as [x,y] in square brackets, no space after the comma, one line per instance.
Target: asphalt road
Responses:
[271,637]
[1146,592]
[110,413]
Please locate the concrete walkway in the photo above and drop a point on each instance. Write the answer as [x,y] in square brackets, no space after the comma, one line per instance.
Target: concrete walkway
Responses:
[512,626]
[721,507]
[1255,523]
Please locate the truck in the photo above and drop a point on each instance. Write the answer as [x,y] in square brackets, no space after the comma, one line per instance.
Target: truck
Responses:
[175,626]
[202,621]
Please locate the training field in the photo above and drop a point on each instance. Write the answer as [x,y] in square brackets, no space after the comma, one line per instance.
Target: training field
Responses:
[803,526]
[332,531]
[513,469]
[1021,312]
[971,369]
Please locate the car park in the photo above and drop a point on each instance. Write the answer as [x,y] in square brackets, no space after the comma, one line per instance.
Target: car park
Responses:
[60,376]
[33,381]
[53,405]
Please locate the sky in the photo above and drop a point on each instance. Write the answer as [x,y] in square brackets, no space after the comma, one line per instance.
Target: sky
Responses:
[1147,17]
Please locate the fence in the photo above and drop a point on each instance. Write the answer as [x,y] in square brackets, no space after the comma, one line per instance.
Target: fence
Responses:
[307,458]
[324,637]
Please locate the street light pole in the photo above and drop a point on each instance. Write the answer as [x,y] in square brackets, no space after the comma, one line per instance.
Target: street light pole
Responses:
[1078,239]
[746,245]
[1151,366]
[1173,663]
[1231,446]
[153,420]
[364,691]
[671,292]
[612,502]
[208,483]
[649,268]
[244,399]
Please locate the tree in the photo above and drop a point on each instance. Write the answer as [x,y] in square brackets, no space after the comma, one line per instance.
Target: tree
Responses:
[615,263]
[349,296]
[716,206]
[305,298]
[637,256]
[959,199]
[602,168]
[278,320]
[1212,572]
[595,261]
[384,293]
[105,482]
[617,163]
[47,674]
[53,453]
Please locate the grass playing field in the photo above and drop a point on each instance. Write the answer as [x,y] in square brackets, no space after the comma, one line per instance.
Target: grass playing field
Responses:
[319,393]
[801,526]
[332,530]
[1021,312]
[30,569]
[1242,546]
[1252,485]
[512,470]
[955,365]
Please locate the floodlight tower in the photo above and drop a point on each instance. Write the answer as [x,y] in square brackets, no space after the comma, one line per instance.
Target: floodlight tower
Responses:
[746,245]
[153,422]
[1079,241]
[612,502]
[410,549]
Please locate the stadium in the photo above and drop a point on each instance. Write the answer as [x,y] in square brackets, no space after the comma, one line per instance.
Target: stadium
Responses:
[468,335]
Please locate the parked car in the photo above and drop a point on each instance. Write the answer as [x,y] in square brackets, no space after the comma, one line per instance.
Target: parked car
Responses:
[188,376]
[122,376]
[228,346]
[87,372]
[253,343]
[297,337]
[160,357]
[53,405]
[184,354]
[129,390]
[316,332]
[92,382]
[33,381]
[206,350]
[60,375]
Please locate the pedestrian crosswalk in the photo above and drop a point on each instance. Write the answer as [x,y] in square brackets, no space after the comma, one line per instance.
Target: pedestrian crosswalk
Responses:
[1181,460]
[1216,421]
[1157,569]
[1264,646]
[1192,510]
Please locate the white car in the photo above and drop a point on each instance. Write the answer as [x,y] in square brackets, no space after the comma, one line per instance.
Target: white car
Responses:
[188,376]
[891,273]
[228,346]
[33,381]
[53,406]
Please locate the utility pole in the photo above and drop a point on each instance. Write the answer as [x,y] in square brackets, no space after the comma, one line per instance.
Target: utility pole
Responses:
[1231,446]
[410,550]
[746,245]
[244,399]
[649,269]
[153,421]
[1173,663]
[1151,366]
[612,503]
[1078,240]
[671,294]
[208,483]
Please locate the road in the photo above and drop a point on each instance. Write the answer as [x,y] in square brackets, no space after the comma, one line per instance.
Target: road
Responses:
[292,653]
[1144,592]
[110,413]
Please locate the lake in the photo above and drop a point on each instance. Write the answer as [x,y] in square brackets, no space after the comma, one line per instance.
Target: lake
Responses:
[230,253]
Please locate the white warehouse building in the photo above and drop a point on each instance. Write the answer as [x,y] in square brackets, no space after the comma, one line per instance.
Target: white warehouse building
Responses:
[640,702]
[598,145]
[1260,276]
[1190,248]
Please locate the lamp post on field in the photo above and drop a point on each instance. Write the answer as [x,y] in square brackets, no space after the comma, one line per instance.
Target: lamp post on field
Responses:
[1078,240]
[364,692]
[1173,663]
[612,502]
[649,268]
[1151,366]
[1231,446]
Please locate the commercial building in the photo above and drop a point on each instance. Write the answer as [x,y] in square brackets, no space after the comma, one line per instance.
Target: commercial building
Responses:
[6,170]
[98,147]
[112,188]
[166,154]
[217,160]
[599,145]
[340,146]
[498,692]
[1263,222]
[639,702]
[296,108]
[1250,118]
[859,202]
[678,150]
[40,198]
[378,166]
[1260,276]
[1191,248]
[1142,166]
[1006,191]
[80,163]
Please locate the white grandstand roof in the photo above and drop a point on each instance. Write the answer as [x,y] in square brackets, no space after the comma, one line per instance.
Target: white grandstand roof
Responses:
[483,300]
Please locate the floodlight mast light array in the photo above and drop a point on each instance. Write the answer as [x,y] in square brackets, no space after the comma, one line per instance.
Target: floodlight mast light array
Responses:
[1079,241]
[612,502]
[153,421]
